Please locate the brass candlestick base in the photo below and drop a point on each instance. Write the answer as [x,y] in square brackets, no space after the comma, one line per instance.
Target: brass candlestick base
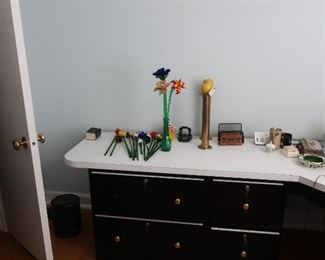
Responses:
[205,147]
[205,134]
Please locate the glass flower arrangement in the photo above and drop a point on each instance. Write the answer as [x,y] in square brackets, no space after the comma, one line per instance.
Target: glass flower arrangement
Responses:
[166,89]
[137,144]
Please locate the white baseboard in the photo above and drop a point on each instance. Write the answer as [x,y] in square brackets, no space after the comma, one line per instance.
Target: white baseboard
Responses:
[85,202]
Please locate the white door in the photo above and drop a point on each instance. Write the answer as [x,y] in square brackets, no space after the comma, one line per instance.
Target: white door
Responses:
[20,170]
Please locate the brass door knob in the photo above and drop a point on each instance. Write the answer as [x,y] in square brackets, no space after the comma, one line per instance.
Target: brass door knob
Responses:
[246,206]
[177,201]
[41,138]
[22,143]
[177,245]
[117,239]
[243,254]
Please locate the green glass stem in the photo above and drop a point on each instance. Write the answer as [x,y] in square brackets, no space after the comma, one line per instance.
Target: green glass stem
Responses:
[169,101]
[166,144]
[165,105]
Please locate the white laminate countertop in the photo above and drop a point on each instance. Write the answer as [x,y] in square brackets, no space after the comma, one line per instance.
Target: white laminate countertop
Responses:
[248,161]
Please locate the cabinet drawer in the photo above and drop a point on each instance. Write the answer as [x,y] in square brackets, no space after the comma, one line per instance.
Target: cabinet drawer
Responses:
[118,195]
[241,244]
[125,239]
[177,241]
[240,204]
[166,198]
[119,239]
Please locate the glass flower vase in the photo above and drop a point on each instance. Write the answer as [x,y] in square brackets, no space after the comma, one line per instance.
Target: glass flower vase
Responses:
[166,143]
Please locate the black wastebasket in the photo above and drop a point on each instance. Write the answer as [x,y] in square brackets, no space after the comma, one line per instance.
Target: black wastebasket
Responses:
[66,215]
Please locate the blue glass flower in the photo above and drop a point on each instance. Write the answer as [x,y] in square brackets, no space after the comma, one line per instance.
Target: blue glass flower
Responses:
[142,135]
[161,73]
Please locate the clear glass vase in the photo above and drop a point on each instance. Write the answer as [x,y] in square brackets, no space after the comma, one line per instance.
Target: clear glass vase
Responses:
[166,144]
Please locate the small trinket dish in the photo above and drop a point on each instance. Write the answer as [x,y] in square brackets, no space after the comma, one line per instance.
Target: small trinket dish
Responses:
[290,151]
[312,161]
[270,147]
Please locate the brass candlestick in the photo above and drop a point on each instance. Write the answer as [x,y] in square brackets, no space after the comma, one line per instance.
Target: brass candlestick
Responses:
[207,91]
[206,111]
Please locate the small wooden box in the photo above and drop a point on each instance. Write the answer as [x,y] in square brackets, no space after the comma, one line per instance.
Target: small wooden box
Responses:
[230,138]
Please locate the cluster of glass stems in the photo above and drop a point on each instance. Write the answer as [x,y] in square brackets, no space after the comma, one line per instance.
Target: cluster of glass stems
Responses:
[139,144]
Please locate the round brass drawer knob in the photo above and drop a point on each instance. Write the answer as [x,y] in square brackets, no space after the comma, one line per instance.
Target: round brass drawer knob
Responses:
[117,239]
[177,201]
[177,245]
[243,254]
[246,206]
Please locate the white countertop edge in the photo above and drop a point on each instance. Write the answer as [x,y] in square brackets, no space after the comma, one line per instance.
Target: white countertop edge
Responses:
[186,171]
[320,185]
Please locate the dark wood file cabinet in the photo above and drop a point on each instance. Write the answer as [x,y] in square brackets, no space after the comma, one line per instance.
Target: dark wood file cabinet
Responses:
[246,219]
[167,217]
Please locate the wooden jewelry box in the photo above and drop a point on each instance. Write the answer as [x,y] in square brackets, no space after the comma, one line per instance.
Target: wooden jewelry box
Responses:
[230,134]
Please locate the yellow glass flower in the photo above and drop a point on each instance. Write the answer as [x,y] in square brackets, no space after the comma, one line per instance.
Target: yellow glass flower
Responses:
[161,86]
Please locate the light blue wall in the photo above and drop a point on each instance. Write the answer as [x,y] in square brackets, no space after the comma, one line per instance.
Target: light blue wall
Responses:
[91,63]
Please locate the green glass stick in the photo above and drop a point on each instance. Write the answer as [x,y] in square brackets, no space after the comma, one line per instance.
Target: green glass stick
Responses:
[169,100]
[157,148]
[155,145]
[165,104]
[110,146]
[150,144]
[141,152]
[152,153]
[137,149]
[144,151]
[127,147]
[113,148]
[130,144]
[129,138]
[134,148]
[145,143]
[151,150]
[147,147]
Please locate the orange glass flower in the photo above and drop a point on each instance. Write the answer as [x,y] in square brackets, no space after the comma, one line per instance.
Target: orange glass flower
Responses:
[161,86]
[177,85]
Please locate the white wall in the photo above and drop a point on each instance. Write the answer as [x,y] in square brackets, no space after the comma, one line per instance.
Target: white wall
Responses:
[91,64]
